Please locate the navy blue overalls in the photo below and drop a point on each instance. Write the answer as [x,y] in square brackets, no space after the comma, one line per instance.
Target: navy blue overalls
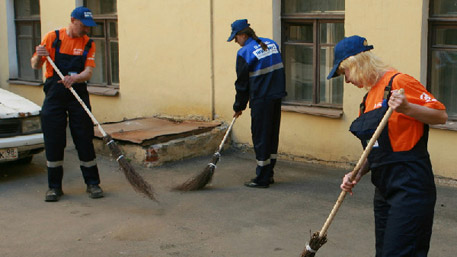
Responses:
[261,81]
[60,104]
[405,192]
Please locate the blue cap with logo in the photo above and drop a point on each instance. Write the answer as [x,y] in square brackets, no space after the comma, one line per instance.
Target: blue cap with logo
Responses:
[238,26]
[84,15]
[347,47]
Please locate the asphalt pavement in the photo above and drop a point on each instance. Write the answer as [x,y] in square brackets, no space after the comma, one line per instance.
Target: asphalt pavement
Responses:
[225,219]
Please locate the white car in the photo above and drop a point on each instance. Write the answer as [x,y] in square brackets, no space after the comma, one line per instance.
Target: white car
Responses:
[20,128]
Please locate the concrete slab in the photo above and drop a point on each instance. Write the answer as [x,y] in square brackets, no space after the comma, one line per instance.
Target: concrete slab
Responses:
[148,131]
[155,141]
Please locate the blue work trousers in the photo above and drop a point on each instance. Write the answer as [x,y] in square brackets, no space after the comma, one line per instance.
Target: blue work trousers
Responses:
[404,203]
[60,105]
[265,123]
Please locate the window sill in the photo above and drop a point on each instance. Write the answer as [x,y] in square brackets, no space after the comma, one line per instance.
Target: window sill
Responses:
[105,91]
[312,110]
[24,82]
[450,125]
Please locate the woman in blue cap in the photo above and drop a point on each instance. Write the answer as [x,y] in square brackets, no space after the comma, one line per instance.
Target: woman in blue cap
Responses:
[261,82]
[401,171]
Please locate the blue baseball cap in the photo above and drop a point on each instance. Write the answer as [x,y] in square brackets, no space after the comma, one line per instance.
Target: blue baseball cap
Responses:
[347,47]
[238,26]
[84,15]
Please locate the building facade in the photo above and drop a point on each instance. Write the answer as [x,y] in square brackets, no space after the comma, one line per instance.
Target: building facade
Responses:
[157,57]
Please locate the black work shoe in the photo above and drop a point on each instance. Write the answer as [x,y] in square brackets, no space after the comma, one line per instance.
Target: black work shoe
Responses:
[53,194]
[272,181]
[95,191]
[255,185]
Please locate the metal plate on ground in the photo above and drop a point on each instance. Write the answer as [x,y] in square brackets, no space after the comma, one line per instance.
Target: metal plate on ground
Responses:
[147,131]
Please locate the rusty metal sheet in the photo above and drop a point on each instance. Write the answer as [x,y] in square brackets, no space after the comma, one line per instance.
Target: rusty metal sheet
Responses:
[147,131]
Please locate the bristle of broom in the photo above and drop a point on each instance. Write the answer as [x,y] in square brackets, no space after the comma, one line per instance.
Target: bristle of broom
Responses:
[314,244]
[200,181]
[136,180]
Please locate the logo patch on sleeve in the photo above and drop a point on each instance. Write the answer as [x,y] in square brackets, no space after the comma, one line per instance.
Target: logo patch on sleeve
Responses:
[427,98]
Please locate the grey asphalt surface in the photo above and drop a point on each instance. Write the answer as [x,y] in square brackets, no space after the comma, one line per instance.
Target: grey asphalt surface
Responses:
[224,219]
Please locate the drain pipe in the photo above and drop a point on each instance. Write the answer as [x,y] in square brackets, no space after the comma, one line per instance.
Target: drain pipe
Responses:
[211,33]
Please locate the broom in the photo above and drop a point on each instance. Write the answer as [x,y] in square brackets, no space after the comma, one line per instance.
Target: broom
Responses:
[202,179]
[319,238]
[138,183]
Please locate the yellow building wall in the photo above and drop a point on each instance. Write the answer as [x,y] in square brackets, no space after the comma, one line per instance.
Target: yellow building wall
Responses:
[164,56]
[175,60]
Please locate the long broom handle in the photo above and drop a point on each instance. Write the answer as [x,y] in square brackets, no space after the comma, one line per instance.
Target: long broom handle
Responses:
[92,117]
[226,135]
[356,169]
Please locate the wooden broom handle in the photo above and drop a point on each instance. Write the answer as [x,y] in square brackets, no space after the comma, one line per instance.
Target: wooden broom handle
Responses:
[356,169]
[226,134]
[92,117]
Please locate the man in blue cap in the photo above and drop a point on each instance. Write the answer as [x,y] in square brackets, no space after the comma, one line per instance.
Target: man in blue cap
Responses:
[261,82]
[73,53]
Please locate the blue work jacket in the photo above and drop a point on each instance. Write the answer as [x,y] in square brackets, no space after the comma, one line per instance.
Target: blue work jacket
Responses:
[260,74]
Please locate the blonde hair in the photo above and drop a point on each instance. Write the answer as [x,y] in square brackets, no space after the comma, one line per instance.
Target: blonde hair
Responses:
[365,68]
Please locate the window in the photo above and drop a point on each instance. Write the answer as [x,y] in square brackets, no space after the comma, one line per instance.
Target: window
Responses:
[28,35]
[442,54]
[310,30]
[105,36]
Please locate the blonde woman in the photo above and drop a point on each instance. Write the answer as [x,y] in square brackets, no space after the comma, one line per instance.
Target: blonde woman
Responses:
[399,162]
